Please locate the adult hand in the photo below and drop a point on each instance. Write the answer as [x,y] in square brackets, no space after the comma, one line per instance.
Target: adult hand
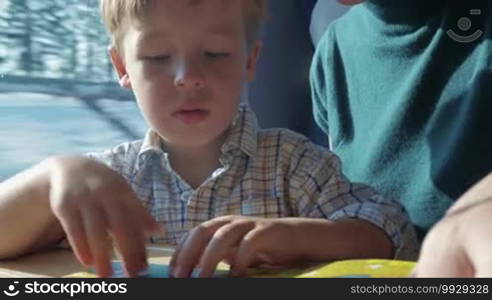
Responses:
[461,243]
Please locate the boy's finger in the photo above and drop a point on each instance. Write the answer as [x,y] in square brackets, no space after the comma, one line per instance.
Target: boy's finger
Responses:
[99,241]
[74,230]
[245,255]
[224,239]
[150,225]
[194,245]
[135,207]
[130,241]
[175,255]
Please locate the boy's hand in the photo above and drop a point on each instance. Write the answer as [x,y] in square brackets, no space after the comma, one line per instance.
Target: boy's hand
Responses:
[247,242]
[95,205]
[242,241]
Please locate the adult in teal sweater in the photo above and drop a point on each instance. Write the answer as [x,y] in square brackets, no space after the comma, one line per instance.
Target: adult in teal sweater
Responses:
[404,90]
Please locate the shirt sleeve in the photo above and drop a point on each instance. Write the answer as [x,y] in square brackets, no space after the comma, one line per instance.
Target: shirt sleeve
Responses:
[322,191]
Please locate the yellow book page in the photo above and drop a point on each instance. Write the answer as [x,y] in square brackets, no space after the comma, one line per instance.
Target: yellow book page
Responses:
[354,268]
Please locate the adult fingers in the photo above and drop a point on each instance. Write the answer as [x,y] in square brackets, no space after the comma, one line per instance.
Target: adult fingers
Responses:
[478,241]
[441,254]
[484,269]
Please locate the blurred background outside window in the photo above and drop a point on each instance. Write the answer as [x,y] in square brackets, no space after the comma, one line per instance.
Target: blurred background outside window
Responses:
[58,92]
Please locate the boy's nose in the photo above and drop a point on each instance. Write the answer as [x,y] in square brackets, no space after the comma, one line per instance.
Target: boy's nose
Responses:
[189,83]
[189,78]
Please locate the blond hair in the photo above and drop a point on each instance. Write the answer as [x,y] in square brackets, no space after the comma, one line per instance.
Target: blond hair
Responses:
[117,13]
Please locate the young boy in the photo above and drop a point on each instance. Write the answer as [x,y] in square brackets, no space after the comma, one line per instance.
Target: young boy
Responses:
[219,186]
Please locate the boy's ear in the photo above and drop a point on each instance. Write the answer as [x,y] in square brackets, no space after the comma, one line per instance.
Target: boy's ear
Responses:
[120,68]
[254,55]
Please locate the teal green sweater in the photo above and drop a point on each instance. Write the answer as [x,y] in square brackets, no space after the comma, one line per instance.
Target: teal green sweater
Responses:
[407,108]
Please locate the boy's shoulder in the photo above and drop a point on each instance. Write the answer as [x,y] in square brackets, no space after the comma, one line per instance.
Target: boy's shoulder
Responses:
[126,150]
[121,157]
[289,142]
[294,154]
[281,135]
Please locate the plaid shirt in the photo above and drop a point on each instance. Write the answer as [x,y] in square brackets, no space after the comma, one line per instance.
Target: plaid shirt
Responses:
[265,173]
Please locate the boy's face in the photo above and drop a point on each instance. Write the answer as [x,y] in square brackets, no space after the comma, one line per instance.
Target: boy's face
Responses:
[187,64]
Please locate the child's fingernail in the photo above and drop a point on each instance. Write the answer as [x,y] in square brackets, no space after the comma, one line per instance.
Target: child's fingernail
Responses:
[177,272]
[144,271]
[196,273]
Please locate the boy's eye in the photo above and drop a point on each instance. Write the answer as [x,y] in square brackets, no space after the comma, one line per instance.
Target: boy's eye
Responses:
[216,55]
[157,58]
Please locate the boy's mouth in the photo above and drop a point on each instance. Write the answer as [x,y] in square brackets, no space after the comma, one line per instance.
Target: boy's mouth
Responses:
[191,116]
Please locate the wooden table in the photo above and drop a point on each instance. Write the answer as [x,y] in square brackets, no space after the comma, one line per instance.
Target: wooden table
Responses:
[62,262]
